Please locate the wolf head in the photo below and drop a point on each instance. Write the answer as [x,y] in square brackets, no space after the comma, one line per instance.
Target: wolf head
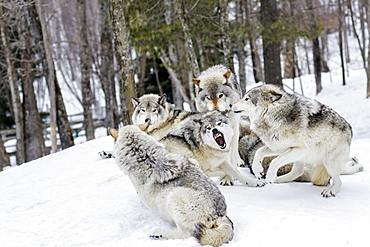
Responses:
[215,129]
[258,99]
[216,88]
[149,107]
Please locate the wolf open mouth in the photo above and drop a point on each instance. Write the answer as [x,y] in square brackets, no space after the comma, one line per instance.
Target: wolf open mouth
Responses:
[219,138]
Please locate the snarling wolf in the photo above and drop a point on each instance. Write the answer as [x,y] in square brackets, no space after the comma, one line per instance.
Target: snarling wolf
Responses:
[298,130]
[208,139]
[173,186]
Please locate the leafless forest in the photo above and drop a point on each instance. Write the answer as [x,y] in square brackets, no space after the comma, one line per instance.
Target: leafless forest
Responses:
[106,51]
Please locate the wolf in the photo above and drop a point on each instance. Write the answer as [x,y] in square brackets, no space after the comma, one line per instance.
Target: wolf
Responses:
[216,88]
[173,186]
[162,115]
[297,130]
[208,140]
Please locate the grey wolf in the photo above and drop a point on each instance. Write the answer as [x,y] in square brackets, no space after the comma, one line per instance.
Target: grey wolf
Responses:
[163,116]
[297,130]
[216,88]
[173,186]
[208,139]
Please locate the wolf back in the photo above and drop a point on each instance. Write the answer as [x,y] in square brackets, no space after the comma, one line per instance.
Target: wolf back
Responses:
[173,186]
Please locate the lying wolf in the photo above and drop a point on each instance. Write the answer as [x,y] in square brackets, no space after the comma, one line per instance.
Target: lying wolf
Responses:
[299,130]
[173,186]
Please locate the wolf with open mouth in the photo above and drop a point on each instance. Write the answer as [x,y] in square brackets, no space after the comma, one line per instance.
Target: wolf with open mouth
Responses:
[207,139]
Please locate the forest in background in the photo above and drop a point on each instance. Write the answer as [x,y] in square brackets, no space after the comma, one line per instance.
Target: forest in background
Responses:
[107,51]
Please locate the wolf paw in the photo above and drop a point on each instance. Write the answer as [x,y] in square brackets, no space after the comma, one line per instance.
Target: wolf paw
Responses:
[258,171]
[157,234]
[106,154]
[256,183]
[226,182]
[327,193]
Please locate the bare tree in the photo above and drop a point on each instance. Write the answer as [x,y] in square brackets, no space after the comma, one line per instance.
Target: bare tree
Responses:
[123,54]
[271,48]
[4,157]
[225,31]
[107,72]
[15,95]
[85,65]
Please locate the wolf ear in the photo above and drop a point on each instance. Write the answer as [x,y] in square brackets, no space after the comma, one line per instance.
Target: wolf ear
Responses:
[197,121]
[135,101]
[273,96]
[227,74]
[113,132]
[162,100]
[196,81]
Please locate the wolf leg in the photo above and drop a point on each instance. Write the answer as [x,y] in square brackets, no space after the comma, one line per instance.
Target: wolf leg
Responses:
[297,170]
[290,155]
[168,234]
[257,167]
[106,154]
[352,167]
[234,172]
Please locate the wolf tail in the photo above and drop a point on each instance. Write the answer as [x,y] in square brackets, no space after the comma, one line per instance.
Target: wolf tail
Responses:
[320,176]
[215,232]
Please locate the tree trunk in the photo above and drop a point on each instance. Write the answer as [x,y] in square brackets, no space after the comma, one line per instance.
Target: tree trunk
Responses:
[16,102]
[34,24]
[316,50]
[34,141]
[225,30]
[107,68]
[340,20]
[189,41]
[271,48]
[123,55]
[85,65]
[58,114]
[4,157]
[240,46]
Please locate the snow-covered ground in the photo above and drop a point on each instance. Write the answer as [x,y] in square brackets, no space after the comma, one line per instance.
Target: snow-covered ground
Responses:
[74,198]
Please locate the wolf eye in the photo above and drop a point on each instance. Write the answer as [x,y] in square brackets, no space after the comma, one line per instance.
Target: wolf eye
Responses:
[155,110]
[218,123]
[209,127]
[246,99]
[220,95]
[208,98]
[143,110]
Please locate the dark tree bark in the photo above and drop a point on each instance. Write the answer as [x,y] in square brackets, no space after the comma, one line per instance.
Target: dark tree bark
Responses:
[316,50]
[225,30]
[123,55]
[240,46]
[340,20]
[107,72]
[256,60]
[271,48]
[16,102]
[85,65]
[4,157]
[33,132]
[40,35]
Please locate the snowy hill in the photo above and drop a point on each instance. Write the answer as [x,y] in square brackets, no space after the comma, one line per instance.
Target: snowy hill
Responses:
[74,198]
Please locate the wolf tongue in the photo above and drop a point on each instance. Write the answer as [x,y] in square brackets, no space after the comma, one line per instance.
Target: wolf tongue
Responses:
[219,140]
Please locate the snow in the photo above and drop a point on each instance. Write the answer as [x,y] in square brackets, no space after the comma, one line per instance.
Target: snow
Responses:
[75,198]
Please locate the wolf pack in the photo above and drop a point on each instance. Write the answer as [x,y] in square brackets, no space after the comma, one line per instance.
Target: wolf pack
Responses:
[170,155]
